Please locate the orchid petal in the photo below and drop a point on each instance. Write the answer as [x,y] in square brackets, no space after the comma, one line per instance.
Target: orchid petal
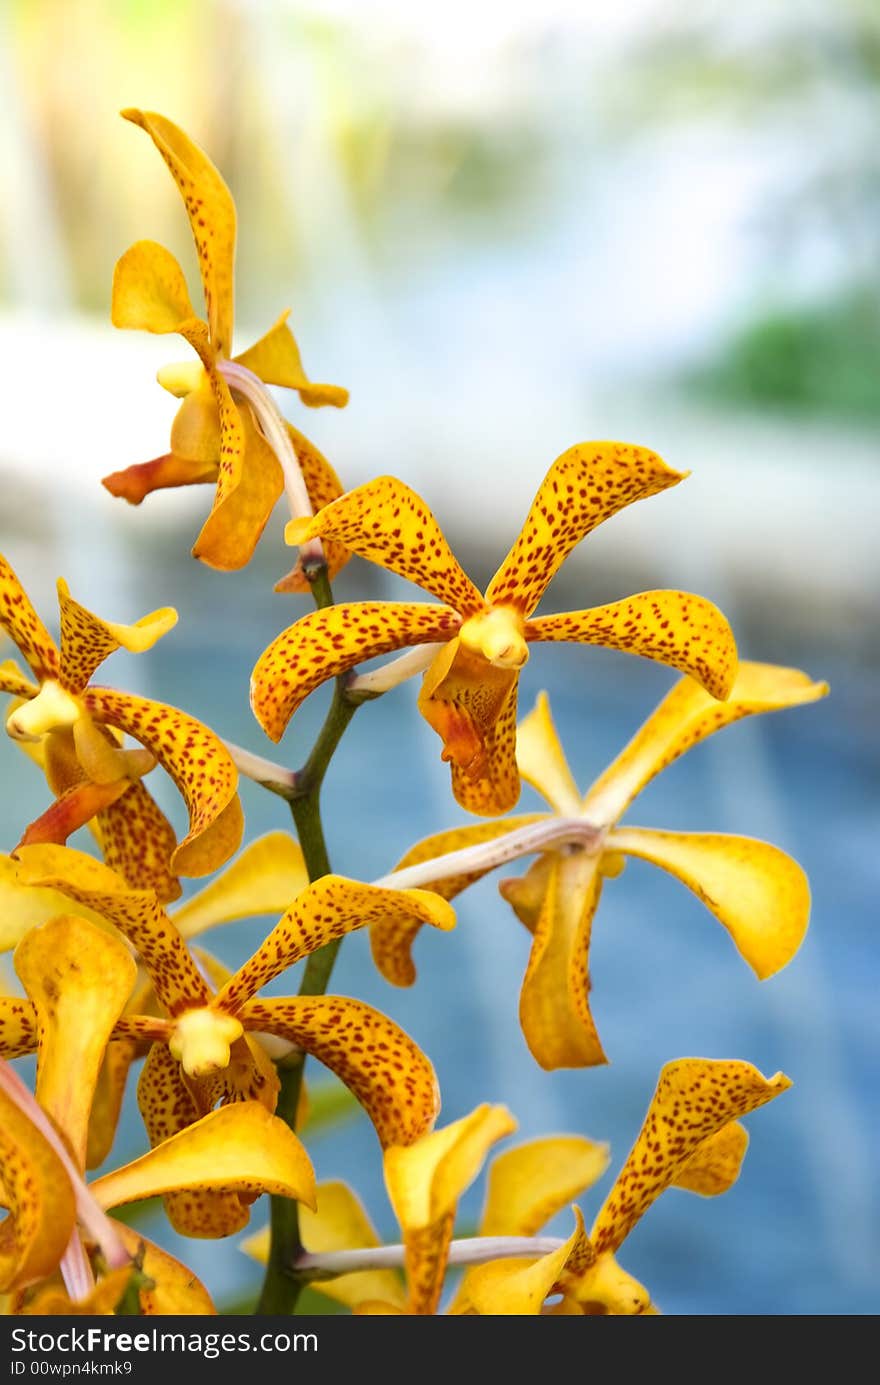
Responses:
[134,483]
[138,842]
[714,1166]
[586,485]
[541,760]
[149,291]
[376,1060]
[248,486]
[322,485]
[176,1291]
[695,1097]
[686,716]
[331,641]
[21,622]
[529,1184]
[87,640]
[107,1101]
[331,907]
[34,1186]
[519,1287]
[23,907]
[264,879]
[13,681]
[18,1027]
[199,764]
[78,978]
[276,359]
[759,894]
[72,811]
[676,628]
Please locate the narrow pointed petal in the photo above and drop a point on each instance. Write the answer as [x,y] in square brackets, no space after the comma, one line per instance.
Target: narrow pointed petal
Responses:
[23,907]
[107,1101]
[391,940]
[341,1223]
[136,913]
[211,213]
[72,811]
[42,1208]
[134,483]
[759,894]
[715,1165]
[239,1149]
[18,1027]
[528,1185]
[176,1290]
[199,764]
[541,760]
[526,893]
[424,1184]
[380,1064]
[78,978]
[329,642]
[276,359]
[389,524]
[138,842]
[519,1287]
[323,486]
[695,1097]
[686,632]
[246,495]
[554,1008]
[328,909]
[24,627]
[87,640]
[13,681]
[686,716]
[264,879]
[586,485]
[149,291]
[471,704]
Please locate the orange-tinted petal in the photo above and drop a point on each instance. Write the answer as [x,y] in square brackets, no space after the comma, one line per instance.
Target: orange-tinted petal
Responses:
[136,913]
[245,498]
[686,716]
[72,811]
[389,524]
[322,485]
[21,622]
[34,1186]
[211,213]
[277,361]
[134,483]
[715,1165]
[676,628]
[138,842]
[695,1097]
[87,640]
[18,1027]
[328,909]
[554,1008]
[759,894]
[78,978]
[328,642]
[586,485]
[199,764]
[264,879]
[391,940]
[380,1064]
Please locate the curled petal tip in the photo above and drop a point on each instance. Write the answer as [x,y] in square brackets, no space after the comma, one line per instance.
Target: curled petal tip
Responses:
[298,531]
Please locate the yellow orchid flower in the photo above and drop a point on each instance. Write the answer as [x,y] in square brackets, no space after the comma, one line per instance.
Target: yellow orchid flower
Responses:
[78,728]
[759,894]
[469,691]
[227,431]
[202,1044]
[690,1139]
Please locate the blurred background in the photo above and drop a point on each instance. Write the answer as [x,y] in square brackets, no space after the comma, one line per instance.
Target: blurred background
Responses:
[508,229]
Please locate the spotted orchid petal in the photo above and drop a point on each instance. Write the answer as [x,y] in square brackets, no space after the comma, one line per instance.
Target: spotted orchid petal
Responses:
[107,1101]
[519,1287]
[78,977]
[23,907]
[554,1005]
[331,641]
[168,472]
[715,1164]
[87,640]
[695,1098]
[238,1149]
[380,1064]
[71,811]
[34,1186]
[211,213]
[264,879]
[586,485]
[21,622]
[328,909]
[323,486]
[199,764]
[136,913]
[247,490]
[18,1027]
[391,940]
[686,716]
[759,894]
[276,359]
[541,760]
[424,1183]
[676,628]
[138,842]
[389,524]
[13,681]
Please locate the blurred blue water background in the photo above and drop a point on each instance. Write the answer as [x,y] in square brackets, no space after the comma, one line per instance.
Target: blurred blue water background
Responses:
[658,226]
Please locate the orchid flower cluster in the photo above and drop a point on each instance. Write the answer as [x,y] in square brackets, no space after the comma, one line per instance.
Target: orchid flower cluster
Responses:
[111,975]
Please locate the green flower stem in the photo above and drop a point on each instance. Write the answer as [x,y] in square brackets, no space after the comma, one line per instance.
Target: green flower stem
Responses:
[282,1284]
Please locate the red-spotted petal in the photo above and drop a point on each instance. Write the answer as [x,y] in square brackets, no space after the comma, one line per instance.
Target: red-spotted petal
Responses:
[21,622]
